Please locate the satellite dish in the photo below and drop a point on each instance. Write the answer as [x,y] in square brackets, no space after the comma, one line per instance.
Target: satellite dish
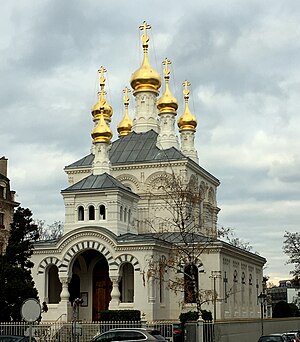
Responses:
[31,310]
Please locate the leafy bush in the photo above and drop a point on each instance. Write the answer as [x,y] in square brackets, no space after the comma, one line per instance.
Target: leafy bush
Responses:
[120,315]
[188,316]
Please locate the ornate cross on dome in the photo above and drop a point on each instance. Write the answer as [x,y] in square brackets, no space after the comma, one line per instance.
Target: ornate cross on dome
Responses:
[102,78]
[126,90]
[186,91]
[166,62]
[144,28]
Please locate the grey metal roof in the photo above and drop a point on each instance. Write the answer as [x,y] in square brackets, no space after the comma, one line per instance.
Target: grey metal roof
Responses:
[171,238]
[134,148]
[97,182]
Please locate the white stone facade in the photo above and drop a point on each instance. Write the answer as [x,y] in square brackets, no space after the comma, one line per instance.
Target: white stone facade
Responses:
[105,252]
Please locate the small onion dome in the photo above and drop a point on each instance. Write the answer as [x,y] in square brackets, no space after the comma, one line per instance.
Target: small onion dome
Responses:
[167,102]
[102,102]
[125,125]
[107,109]
[101,133]
[145,78]
[187,121]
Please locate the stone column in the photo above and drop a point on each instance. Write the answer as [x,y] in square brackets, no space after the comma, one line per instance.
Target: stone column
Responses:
[64,295]
[115,293]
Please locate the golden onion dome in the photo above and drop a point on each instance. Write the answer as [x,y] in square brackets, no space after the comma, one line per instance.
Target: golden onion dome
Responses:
[167,102]
[102,102]
[145,78]
[125,125]
[187,121]
[101,132]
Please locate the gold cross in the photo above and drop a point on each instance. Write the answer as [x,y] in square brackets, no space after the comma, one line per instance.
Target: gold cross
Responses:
[126,98]
[166,62]
[102,79]
[144,28]
[186,91]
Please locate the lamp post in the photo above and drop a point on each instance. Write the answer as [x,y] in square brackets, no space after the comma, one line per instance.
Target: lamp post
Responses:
[261,299]
[214,276]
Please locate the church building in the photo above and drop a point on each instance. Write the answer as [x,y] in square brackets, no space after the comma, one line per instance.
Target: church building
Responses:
[112,231]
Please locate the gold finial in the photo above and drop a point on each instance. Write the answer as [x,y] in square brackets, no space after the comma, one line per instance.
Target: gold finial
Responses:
[126,90]
[145,37]
[125,125]
[102,78]
[186,91]
[167,103]
[187,121]
[166,62]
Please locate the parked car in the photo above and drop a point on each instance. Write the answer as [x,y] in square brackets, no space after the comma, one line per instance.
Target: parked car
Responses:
[293,336]
[15,338]
[274,338]
[177,332]
[129,334]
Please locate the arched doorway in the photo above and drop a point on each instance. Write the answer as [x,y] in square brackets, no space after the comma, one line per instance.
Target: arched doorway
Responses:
[102,287]
[90,280]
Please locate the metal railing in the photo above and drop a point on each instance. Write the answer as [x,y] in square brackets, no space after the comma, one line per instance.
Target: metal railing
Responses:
[78,331]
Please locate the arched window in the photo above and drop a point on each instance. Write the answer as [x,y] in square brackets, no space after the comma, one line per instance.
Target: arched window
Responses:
[126,285]
[129,215]
[190,283]
[54,285]
[235,276]
[91,212]
[121,213]
[125,214]
[102,212]
[80,213]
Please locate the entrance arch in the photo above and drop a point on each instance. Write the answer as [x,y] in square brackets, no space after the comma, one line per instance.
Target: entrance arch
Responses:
[90,278]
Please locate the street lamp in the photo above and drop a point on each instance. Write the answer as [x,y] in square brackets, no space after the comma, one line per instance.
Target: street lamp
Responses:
[261,299]
[214,276]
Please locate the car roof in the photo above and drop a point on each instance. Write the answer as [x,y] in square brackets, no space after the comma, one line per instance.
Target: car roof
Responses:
[12,338]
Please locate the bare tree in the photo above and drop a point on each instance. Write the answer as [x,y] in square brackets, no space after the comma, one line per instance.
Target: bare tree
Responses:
[228,234]
[291,247]
[49,232]
[180,227]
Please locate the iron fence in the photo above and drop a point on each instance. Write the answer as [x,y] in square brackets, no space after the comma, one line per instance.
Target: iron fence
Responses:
[84,331]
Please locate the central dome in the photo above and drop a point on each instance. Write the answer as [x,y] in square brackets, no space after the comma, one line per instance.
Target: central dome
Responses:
[145,78]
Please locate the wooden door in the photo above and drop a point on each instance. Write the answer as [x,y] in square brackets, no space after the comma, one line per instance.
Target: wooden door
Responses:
[101,288]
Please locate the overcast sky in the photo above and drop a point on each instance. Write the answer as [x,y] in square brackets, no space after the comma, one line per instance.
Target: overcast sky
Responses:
[241,57]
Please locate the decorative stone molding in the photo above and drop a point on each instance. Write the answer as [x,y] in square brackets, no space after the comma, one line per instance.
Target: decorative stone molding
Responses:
[47,262]
[126,258]
[79,247]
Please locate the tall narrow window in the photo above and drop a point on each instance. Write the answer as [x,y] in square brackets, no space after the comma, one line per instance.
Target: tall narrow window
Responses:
[125,214]
[129,215]
[102,212]
[91,212]
[127,283]
[190,283]
[54,285]
[121,213]
[80,213]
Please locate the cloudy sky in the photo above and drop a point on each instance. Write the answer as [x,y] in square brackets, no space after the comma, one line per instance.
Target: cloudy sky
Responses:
[241,57]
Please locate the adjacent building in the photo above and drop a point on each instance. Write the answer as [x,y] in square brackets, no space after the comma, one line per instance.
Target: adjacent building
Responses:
[7,205]
[115,226]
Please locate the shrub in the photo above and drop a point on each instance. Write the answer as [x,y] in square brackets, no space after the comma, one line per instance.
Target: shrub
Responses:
[120,315]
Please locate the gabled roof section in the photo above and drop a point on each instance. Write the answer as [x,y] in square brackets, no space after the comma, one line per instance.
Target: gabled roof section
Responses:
[83,162]
[97,182]
[134,148]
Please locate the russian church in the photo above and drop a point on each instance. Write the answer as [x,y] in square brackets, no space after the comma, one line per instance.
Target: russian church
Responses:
[104,252]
